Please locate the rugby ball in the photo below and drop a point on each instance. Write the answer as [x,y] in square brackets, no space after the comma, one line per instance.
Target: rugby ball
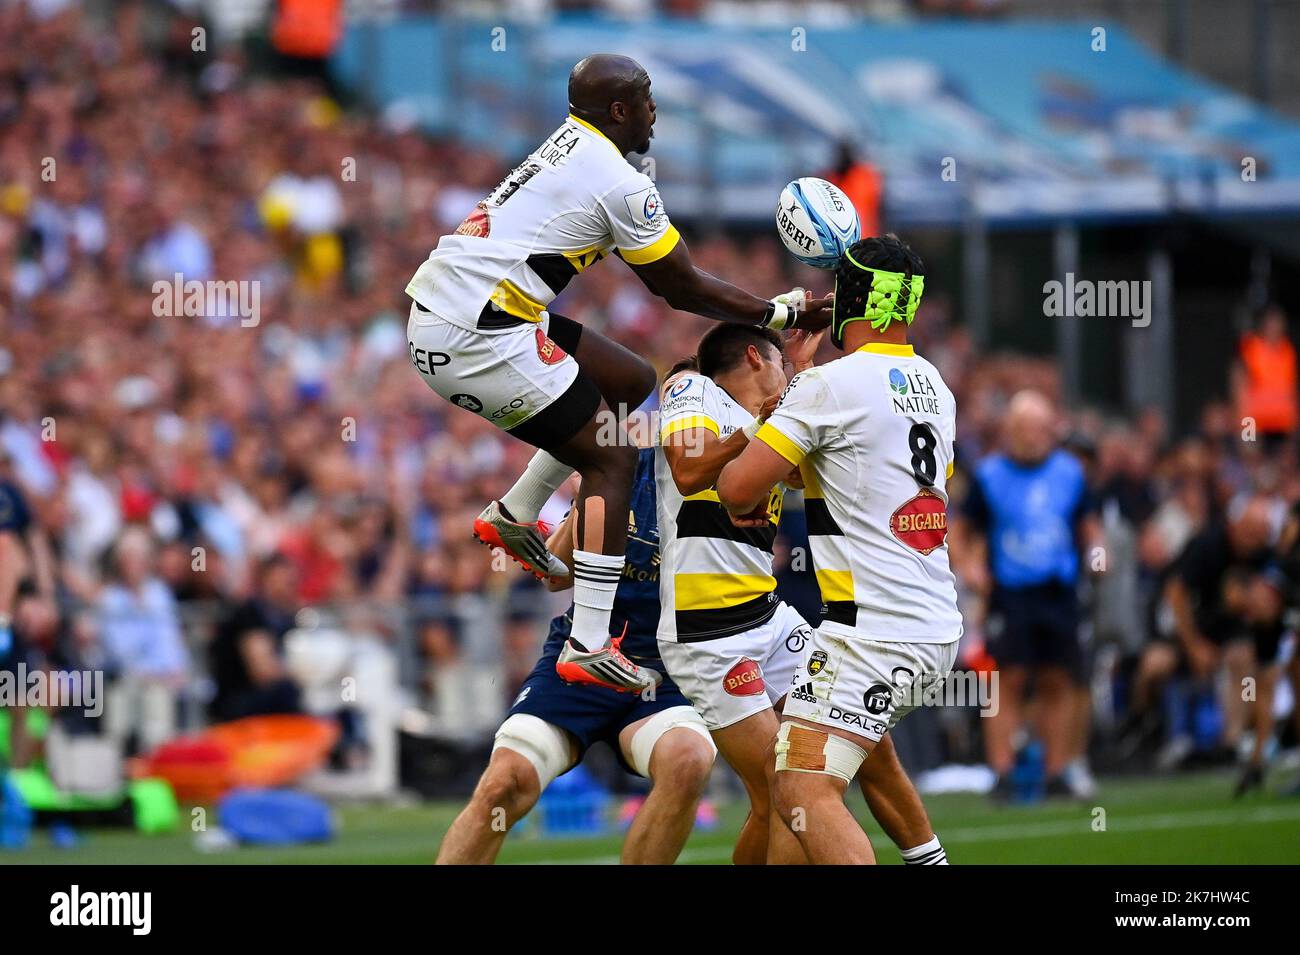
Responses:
[816,222]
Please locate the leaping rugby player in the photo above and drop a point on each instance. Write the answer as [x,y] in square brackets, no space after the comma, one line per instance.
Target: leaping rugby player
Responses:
[481,336]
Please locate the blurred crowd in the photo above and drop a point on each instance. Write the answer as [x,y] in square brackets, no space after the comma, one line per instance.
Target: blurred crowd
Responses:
[256,464]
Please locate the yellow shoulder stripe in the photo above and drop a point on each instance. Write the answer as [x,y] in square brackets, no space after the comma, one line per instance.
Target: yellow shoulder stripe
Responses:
[686,423]
[655,251]
[780,444]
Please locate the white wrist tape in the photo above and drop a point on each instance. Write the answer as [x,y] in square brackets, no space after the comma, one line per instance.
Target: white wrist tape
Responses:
[787,307]
[781,316]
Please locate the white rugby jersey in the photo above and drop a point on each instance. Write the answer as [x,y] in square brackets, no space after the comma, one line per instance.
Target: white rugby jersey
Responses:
[716,579]
[568,205]
[873,435]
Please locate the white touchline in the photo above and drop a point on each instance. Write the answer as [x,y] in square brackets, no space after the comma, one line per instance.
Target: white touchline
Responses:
[1116,822]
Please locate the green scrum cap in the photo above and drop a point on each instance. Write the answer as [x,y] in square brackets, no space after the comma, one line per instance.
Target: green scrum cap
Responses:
[865,293]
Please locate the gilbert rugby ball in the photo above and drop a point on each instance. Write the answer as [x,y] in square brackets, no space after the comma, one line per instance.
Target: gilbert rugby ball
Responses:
[816,222]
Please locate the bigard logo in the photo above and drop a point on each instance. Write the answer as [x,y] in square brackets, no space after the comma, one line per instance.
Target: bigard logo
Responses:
[744,679]
[549,352]
[922,522]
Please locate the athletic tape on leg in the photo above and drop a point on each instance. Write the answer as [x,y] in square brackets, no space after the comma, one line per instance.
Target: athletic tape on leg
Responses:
[802,749]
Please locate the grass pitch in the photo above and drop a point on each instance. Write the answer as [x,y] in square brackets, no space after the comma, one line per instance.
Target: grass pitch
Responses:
[1185,819]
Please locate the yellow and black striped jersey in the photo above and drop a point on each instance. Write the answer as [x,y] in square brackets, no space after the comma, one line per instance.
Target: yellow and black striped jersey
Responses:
[574,200]
[872,434]
[716,578]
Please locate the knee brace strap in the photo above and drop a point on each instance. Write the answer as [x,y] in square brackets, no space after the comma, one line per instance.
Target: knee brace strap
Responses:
[542,744]
[644,740]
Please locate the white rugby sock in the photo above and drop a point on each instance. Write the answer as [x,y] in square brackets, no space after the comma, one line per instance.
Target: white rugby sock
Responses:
[595,578]
[931,853]
[540,480]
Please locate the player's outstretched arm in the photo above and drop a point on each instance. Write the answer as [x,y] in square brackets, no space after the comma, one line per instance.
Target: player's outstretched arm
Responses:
[676,280]
[746,482]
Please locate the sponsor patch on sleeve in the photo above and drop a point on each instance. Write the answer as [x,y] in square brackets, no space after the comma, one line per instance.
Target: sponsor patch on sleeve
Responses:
[684,395]
[646,211]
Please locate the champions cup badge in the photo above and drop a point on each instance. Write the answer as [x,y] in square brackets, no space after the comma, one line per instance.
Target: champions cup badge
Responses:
[549,352]
[816,662]
[922,522]
[744,679]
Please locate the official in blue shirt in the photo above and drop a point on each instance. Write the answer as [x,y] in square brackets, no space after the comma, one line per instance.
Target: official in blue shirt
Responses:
[1031,506]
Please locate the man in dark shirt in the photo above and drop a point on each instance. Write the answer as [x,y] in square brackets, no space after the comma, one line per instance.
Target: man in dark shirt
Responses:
[1224,593]
[247,652]
[1271,667]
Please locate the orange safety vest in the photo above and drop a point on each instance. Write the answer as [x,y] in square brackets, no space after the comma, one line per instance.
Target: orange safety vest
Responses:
[307,28]
[1270,392]
[862,184]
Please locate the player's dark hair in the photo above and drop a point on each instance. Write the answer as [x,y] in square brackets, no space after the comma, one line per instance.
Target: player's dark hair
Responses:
[724,345]
[887,252]
[685,363]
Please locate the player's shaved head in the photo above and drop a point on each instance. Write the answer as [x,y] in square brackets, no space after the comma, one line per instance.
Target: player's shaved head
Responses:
[612,93]
[602,79]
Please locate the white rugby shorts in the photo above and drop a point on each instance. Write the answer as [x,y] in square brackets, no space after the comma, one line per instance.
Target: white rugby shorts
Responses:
[864,686]
[519,378]
[730,678]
